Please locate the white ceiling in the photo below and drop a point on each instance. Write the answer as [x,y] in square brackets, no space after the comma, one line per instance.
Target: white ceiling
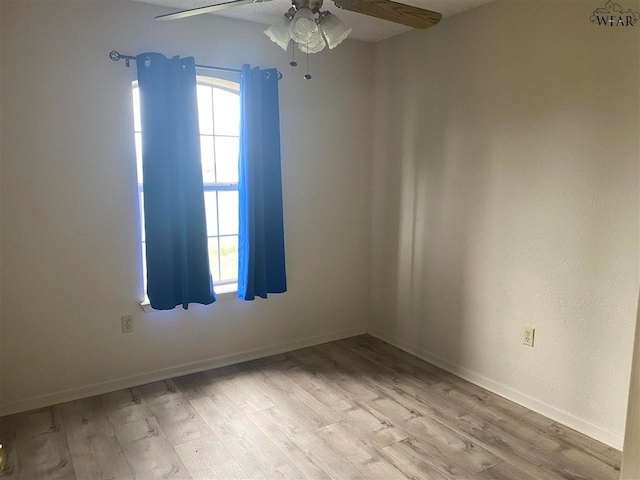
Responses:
[364,27]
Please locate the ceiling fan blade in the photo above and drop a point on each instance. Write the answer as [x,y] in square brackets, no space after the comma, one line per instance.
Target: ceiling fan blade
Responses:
[201,10]
[394,12]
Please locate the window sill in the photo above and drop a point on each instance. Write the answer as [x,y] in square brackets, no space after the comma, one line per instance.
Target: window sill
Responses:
[223,292]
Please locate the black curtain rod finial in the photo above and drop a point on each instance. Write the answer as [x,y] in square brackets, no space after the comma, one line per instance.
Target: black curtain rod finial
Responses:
[115,56]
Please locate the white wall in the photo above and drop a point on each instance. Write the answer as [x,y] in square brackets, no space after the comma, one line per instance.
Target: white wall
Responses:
[70,251]
[505,194]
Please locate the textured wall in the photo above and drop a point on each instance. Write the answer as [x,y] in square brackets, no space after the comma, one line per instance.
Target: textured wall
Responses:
[70,239]
[506,194]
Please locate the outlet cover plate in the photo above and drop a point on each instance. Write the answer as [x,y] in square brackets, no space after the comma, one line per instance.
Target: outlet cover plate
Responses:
[527,336]
[127,323]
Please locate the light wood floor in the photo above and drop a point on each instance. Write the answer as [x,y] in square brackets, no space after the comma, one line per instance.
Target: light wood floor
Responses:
[356,408]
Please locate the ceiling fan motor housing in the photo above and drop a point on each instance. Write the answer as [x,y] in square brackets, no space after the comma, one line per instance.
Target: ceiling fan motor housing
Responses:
[313,5]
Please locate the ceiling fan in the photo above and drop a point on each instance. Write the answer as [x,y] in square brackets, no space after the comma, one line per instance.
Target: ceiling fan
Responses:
[313,29]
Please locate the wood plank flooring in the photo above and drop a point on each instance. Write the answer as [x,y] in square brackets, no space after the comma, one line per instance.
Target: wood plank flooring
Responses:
[356,408]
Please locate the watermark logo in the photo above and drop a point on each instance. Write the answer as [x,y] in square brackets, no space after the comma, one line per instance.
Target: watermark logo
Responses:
[613,15]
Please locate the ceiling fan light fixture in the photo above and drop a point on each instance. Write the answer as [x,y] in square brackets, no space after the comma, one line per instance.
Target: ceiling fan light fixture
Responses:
[279,32]
[333,30]
[303,27]
[315,46]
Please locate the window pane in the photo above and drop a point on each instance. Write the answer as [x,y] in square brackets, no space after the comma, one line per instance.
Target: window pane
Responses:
[213,258]
[205,112]
[136,110]
[138,137]
[227,159]
[226,112]
[211,213]
[228,212]
[207,156]
[229,257]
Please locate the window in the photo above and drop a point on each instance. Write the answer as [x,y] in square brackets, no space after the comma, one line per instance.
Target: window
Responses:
[219,115]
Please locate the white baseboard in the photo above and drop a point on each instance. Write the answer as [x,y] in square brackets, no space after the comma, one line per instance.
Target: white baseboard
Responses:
[170,372]
[594,431]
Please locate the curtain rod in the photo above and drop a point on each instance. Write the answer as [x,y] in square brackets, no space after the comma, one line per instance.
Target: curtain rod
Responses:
[115,56]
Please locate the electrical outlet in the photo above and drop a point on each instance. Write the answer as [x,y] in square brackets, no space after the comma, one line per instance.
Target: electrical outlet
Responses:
[127,323]
[527,336]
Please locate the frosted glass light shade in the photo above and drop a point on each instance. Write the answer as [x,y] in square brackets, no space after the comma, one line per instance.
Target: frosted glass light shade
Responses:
[333,30]
[279,32]
[303,28]
[315,46]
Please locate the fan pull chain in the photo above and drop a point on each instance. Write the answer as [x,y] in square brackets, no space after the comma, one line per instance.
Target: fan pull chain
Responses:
[306,75]
[293,62]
